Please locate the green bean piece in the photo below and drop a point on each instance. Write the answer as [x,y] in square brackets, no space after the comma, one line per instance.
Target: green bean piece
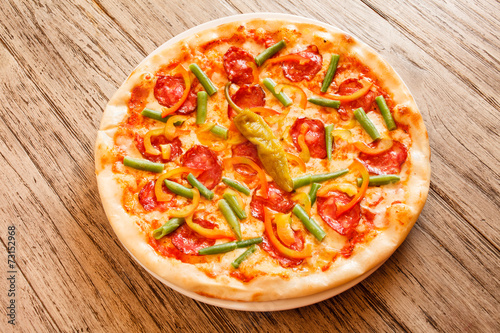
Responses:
[308,222]
[324,102]
[379,180]
[330,73]
[219,248]
[237,262]
[366,123]
[236,185]
[329,141]
[203,78]
[205,192]
[201,108]
[179,189]
[301,181]
[386,114]
[142,164]
[323,177]
[230,217]
[282,97]
[235,206]
[312,192]
[153,114]
[269,52]
[219,131]
[248,242]
[169,226]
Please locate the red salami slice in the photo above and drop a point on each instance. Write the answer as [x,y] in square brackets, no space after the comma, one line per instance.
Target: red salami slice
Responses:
[169,90]
[274,253]
[147,198]
[346,223]
[388,162]
[314,137]
[246,149]
[295,72]
[247,96]
[277,200]
[156,141]
[200,157]
[189,242]
[236,65]
[348,87]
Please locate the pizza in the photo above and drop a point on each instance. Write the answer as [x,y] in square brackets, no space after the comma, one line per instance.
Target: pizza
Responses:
[262,159]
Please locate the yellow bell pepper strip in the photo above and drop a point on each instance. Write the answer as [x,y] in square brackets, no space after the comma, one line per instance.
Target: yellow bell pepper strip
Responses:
[207,138]
[304,200]
[229,162]
[170,126]
[383,145]
[304,253]
[269,148]
[349,189]
[188,210]
[147,141]
[162,196]
[209,233]
[291,87]
[284,228]
[356,166]
[294,158]
[343,134]
[235,137]
[187,87]
[354,96]
[305,155]
[166,150]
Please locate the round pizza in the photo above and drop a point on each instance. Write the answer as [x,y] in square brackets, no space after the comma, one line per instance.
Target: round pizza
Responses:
[262,159]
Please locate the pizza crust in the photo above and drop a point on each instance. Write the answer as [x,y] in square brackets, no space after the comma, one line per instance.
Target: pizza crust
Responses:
[401,217]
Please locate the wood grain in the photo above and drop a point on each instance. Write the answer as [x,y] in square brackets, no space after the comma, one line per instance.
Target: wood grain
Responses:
[61,61]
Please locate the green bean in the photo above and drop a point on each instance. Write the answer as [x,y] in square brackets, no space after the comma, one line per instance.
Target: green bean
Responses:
[367,124]
[203,190]
[301,181]
[219,131]
[231,219]
[329,103]
[153,114]
[312,192]
[237,262]
[233,203]
[379,180]
[203,78]
[330,73]
[329,141]
[282,97]
[168,227]
[248,242]
[386,114]
[309,223]
[322,177]
[201,109]
[269,52]
[179,189]
[142,164]
[236,185]
[219,248]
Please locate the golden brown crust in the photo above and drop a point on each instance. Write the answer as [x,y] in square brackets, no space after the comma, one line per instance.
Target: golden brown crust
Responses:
[278,283]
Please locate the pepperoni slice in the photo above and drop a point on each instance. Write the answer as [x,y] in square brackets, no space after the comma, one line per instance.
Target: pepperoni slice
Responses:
[200,157]
[295,72]
[246,149]
[274,253]
[277,200]
[247,96]
[388,162]
[189,242]
[346,223]
[156,141]
[348,87]
[169,89]
[147,198]
[314,136]
[236,65]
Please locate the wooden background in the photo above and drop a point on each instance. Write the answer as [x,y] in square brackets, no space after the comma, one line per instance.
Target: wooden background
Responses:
[60,61]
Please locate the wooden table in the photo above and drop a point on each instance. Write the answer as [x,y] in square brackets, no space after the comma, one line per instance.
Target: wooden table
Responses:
[60,62]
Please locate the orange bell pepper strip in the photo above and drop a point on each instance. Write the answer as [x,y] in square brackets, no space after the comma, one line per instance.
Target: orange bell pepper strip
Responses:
[356,166]
[209,233]
[302,94]
[284,228]
[296,159]
[162,196]
[302,60]
[354,96]
[383,145]
[305,155]
[147,141]
[229,162]
[187,87]
[304,253]
[188,210]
